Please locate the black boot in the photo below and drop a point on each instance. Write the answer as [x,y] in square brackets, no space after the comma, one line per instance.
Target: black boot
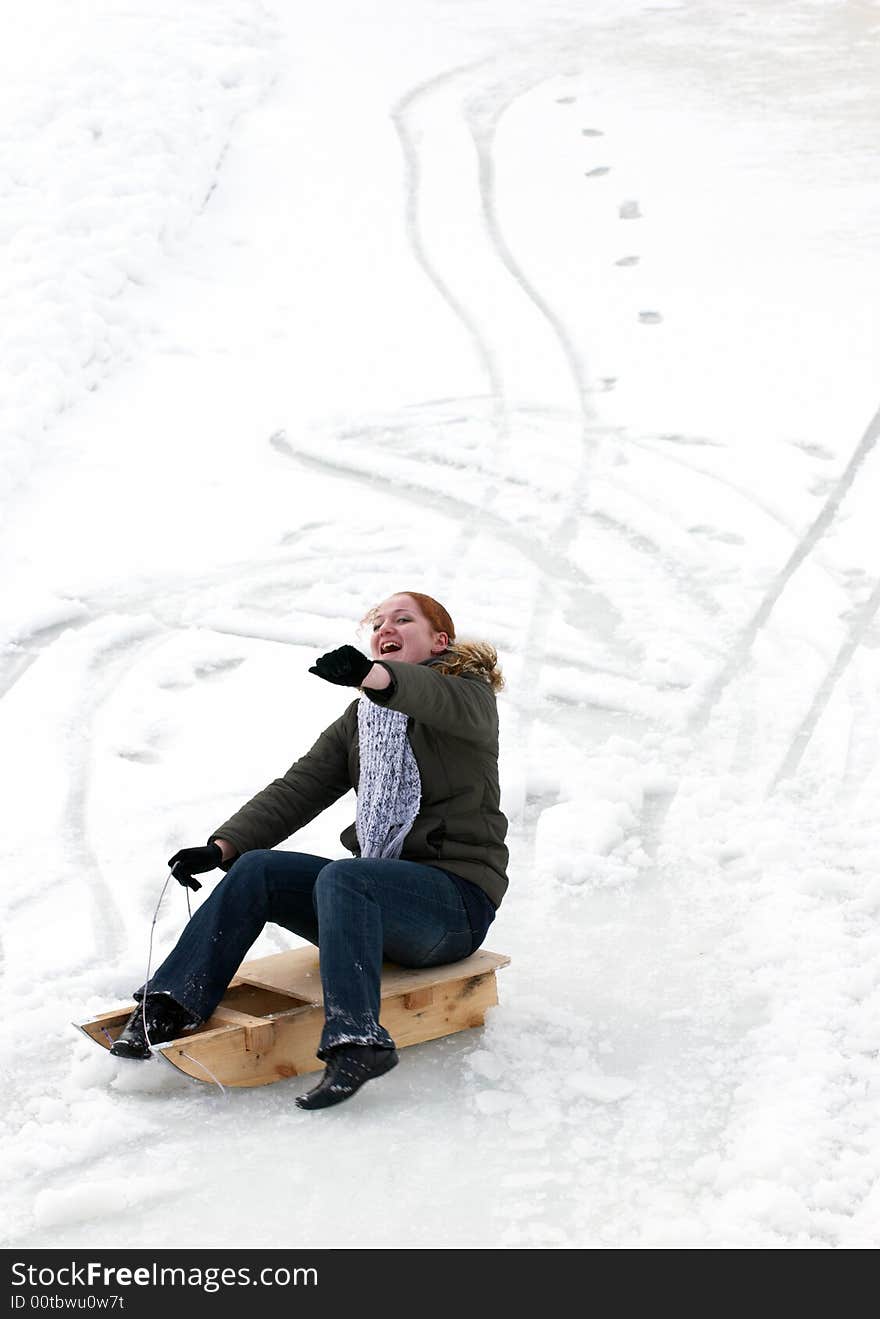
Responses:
[348,1067]
[166,1019]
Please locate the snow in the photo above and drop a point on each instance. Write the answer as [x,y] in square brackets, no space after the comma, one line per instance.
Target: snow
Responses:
[567,317]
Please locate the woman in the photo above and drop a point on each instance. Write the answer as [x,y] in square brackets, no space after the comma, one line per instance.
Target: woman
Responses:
[420,747]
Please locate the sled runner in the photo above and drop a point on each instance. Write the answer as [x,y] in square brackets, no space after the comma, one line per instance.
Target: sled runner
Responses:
[269,1023]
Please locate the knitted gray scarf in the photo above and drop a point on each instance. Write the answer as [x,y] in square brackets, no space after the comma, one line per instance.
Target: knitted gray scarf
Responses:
[390,789]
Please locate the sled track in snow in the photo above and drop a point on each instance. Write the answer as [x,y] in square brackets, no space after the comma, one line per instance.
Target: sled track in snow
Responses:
[109,663]
[482,114]
[549,561]
[27,648]
[402,115]
[120,655]
[804,547]
[483,125]
[743,493]
[483,128]
[554,571]
[483,108]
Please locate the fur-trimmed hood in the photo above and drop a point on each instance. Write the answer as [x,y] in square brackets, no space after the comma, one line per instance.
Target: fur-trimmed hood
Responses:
[476,658]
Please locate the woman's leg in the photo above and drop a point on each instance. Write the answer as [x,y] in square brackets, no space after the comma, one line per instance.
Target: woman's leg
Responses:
[368,909]
[261,886]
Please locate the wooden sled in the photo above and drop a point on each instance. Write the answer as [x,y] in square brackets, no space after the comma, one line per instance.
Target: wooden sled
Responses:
[269,1023]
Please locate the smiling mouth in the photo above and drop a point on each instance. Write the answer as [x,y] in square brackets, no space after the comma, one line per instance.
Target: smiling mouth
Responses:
[388,646]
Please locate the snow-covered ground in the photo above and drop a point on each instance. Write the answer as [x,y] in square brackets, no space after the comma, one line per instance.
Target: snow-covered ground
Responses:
[567,315]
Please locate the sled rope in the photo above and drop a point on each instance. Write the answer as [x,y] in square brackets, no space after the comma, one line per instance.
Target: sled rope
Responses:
[150,962]
[147,981]
[199,1063]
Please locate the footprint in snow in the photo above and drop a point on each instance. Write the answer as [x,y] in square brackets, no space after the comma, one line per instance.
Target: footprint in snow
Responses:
[566,100]
[728,537]
[216,668]
[200,672]
[674,438]
[138,755]
[629,210]
[650,317]
[628,261]
[813,450]
[595,173]
[592,132]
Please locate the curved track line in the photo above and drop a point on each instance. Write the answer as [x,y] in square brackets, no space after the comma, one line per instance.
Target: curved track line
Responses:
[740,651]
[655,552]
[401,113]
[546,560]
[404,109]
[20,656]
[741,491]
[149,598]
[860,624]
[554,563]
[549,564]
[107,921]
[483,130]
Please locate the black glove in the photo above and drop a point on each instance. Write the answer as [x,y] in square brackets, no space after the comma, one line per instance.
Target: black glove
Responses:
[345,666]
[191,861]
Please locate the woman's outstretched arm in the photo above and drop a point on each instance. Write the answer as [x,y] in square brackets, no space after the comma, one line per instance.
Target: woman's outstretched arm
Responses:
[463,706]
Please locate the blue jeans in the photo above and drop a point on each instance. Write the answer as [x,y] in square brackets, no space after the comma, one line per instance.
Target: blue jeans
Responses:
[358,911]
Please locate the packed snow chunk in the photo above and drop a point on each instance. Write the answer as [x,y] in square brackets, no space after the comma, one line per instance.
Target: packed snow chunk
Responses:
[95,1070]
[152,1076]
[96,1199]
[596,829]
[602,1089]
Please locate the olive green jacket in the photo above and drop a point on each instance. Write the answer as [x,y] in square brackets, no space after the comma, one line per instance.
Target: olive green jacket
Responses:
[453,731]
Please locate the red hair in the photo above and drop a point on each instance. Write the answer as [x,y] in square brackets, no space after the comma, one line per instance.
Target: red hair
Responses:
[436,615]
[474,657]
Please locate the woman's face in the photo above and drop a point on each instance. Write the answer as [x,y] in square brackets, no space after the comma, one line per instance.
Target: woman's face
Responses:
[401,632]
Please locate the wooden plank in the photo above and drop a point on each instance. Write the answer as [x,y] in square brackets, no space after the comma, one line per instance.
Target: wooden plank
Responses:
[271,1041]
[296,973]
[219,1053]
[258,1002]
[224,1016]
[104,1028]
[258,1032]
[456,1005]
